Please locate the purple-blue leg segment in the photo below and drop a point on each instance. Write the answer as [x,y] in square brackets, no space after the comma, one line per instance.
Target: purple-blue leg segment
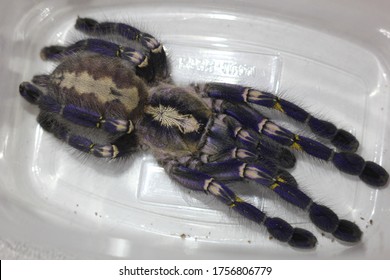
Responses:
[157,54]
[93,27]
[227,139]
[347,162]
[266,175]
[98,46]
[248,146]
[77,115]
[243,155]
[278,228]
[253,141]
[340,138]
[81,143]
[35,96]
[143,66]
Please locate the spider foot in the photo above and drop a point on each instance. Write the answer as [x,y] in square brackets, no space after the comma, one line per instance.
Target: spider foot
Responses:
[52,52]
[348,232]
[326,220]
[374,174]
[86,24]
[368,171]
[345,141]
[302,239]
[276,227]
[29,92]
[295,237]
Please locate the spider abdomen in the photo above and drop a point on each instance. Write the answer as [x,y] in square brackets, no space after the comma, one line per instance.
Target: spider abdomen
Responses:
[106,86]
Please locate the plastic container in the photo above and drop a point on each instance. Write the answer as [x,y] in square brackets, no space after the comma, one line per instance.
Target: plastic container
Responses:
[331,56]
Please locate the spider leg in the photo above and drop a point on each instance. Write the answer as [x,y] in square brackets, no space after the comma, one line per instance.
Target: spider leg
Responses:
[227,139]
[347,162]
[84,144]
[244,155]
[278,228]
[137,59]
[340,138]
[269,176]
[74,114]
[156,51]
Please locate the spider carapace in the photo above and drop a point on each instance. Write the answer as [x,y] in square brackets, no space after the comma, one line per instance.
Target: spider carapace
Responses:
[111,95]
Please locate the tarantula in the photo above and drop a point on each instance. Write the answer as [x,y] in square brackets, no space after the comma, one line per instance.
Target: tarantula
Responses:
[111,95]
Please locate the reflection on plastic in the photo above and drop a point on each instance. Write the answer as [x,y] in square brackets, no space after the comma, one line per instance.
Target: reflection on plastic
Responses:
[201,64]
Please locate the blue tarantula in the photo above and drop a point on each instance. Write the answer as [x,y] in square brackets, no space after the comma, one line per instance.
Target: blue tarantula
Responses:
[111,95]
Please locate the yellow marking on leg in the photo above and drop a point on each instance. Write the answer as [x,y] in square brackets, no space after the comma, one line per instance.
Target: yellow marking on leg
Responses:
[274,186]
[281,180]
[91,147]
[276,183]
[278,107]
[295,145]
[99,123]
[236,199]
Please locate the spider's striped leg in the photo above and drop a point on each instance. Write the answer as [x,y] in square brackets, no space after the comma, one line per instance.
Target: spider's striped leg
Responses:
[340,138]
[269,176]
[137,59]
[77,115]
[123,146]
[253,141]
[157,54]
[347,162]
[278,228]
[247,156]
[227,138]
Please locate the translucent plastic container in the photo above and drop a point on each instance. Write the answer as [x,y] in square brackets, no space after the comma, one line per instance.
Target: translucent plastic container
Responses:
[332,57]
